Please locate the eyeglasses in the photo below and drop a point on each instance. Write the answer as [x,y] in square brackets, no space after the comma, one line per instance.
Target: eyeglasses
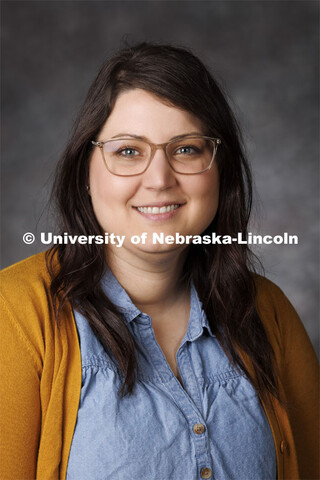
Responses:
[129,156]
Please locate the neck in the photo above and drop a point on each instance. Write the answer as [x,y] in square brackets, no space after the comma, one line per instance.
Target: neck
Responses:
[152,280]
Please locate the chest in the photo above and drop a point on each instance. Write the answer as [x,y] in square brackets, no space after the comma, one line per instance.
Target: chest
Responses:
[169,336]
[158,420]
[169,343]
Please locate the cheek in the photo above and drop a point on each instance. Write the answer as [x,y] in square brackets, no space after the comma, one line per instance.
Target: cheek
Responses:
[101,188]
[108,193]
[213,197]
[205,191]
[97,174]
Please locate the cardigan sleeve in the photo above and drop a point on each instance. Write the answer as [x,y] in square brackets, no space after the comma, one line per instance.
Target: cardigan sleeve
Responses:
[20,400]
[40,375]
[299,377]
[301,385]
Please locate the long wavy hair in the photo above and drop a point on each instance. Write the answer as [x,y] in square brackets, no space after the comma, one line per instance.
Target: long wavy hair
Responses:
[223,274]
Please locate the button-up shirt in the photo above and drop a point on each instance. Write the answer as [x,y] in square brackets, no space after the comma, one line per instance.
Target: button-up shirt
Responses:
[211,426]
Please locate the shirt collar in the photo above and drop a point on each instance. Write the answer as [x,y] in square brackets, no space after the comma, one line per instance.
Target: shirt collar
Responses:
[119,297]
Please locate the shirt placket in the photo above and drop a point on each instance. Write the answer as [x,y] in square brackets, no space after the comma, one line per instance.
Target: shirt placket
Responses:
[186,398]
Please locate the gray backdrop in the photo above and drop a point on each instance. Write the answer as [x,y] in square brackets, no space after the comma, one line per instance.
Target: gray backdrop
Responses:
[265,53]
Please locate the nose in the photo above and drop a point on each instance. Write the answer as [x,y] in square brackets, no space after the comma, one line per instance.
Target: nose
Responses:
[159,175]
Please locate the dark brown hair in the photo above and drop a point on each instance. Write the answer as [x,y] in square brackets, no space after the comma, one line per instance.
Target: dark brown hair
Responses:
[222,273]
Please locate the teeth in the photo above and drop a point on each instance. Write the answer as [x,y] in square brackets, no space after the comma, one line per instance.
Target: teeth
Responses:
[157,210]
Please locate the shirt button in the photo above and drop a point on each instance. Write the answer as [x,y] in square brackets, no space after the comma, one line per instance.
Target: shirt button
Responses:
[283,446]
[198,428]
[205,472]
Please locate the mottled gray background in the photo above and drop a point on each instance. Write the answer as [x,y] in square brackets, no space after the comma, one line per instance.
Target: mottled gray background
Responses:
[265,53]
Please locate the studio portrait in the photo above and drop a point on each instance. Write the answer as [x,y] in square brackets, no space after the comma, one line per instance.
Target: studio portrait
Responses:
[159,289]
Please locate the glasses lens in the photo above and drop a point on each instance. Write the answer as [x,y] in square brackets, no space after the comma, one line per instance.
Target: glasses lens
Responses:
[191,154]
[126,156]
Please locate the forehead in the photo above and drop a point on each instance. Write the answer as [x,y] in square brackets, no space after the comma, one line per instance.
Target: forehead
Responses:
[139,112]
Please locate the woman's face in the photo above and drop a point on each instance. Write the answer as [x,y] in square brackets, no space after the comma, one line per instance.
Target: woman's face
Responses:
[115,199]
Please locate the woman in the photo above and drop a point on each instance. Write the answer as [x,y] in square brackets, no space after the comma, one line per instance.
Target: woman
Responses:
[141,359]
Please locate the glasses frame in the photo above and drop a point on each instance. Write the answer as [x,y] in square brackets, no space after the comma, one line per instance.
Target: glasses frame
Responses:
[157,146]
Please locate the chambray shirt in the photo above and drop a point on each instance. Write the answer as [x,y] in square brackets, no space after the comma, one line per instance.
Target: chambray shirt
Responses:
[211,427]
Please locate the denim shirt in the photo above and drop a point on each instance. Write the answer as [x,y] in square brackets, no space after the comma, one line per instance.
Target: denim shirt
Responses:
[211,427]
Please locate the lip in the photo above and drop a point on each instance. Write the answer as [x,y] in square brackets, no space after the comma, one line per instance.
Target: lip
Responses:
[159,217]
[159,204]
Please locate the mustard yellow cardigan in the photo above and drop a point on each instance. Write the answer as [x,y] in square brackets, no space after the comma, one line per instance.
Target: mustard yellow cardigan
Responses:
[41,380]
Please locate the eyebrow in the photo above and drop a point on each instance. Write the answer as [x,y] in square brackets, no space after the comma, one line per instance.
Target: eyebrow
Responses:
[139,137]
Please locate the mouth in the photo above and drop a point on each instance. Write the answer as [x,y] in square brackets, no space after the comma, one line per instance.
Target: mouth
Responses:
[160,210]
[157,210]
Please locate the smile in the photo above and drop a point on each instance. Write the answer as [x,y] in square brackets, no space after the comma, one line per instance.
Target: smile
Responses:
[158,210]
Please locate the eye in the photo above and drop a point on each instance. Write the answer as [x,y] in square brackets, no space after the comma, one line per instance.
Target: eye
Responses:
[186,150]
[128,152]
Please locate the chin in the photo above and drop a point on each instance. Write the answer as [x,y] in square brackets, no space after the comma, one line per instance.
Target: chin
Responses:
[149,247]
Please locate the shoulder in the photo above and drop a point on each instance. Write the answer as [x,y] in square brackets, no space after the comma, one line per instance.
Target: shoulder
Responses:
[26,281]
[270,298]
[30,270]
[284,328]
